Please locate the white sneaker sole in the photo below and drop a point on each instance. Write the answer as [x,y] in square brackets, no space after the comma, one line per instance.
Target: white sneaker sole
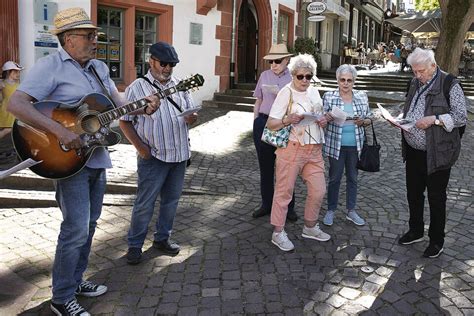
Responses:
[327,224]
[436,255]
[358,224]
[314,237]
[284,249]
[413,241]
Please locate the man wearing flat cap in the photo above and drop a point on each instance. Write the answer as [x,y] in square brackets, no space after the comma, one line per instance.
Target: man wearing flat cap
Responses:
[67,76]
[162,144]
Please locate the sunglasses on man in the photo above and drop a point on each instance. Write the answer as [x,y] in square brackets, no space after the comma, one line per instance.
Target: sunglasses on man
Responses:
[307,77]
[276,61]
[164,63]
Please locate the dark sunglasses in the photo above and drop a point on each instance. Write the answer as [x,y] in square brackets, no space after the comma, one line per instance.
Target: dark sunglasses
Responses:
[164,64]
[307,77]
[276,61]
[342,80]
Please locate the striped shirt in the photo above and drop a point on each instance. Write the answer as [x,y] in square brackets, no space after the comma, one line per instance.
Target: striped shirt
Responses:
[360,103]
[164,131]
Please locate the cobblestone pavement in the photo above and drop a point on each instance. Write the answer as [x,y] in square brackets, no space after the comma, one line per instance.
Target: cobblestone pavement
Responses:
[229,266]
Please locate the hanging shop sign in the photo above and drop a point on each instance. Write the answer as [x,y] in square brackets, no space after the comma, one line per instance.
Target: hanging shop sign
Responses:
[316,18]
[317,7]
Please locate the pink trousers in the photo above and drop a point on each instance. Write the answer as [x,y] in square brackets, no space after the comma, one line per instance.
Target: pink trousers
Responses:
[290,161]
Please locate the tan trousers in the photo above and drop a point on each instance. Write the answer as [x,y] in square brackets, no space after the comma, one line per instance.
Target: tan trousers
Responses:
[308,162]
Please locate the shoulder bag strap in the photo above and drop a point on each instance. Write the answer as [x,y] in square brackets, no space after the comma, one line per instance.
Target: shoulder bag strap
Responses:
[374,138]
[290,103]
[96,75]
[158,88]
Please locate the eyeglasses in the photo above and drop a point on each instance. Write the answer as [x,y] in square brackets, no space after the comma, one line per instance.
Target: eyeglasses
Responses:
[307,77]
[276,61]
[164,64]
[342,80]
[90,36]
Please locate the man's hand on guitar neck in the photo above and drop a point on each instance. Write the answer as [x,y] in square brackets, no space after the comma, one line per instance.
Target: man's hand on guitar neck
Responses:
[153,104]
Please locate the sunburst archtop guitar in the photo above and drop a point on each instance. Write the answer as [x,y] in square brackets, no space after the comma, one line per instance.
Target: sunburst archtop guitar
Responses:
[90,118]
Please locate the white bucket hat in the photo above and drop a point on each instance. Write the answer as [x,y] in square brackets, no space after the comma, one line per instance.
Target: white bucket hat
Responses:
[11,65]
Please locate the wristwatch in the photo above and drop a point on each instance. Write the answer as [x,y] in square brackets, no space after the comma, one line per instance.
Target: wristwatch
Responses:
[437,121]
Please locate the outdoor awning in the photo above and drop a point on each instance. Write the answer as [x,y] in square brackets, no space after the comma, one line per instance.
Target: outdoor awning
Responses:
[421,21]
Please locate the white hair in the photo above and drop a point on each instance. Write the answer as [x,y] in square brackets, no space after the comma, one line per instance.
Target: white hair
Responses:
[302,61]
[346,69]
[421,57]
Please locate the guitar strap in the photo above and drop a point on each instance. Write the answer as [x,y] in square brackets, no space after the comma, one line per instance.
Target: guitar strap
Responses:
[96,75]
[158,88]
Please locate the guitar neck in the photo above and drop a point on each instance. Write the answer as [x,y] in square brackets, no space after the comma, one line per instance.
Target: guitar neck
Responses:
[114,114]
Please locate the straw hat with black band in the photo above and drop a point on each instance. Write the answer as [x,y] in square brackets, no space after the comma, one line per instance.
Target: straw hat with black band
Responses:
[277,51]
[72,18]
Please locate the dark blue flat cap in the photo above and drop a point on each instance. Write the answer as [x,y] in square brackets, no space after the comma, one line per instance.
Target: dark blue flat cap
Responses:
[164,52]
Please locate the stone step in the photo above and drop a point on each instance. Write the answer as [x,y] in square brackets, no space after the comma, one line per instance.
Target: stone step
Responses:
[240,92]
[231,106]
[36,198]
[245,86]
[233,98]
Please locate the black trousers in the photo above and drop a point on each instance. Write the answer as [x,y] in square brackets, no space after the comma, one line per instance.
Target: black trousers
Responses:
[266,161]
[417,180]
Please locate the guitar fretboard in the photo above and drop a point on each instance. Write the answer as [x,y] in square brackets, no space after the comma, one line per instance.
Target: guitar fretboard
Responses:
[111,115]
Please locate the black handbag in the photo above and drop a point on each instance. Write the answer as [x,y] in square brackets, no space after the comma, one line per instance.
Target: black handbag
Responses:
[370,156]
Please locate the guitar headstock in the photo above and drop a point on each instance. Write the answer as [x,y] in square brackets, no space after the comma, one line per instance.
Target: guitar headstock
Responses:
[190,83]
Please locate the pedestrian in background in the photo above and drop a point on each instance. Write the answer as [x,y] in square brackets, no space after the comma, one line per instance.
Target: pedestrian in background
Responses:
[67,76]
[269,84]
[303,155]
[430,148]
[162,144]
[8,85]
[344,143]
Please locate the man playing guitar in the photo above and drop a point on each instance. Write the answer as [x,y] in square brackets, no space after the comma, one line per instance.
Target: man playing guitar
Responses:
[67,76]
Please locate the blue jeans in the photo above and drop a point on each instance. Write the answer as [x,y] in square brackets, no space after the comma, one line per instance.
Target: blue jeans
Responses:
[348,158]
[155,177]
[80,200]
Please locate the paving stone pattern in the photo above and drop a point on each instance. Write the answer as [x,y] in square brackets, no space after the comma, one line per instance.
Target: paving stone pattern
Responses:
[228,266]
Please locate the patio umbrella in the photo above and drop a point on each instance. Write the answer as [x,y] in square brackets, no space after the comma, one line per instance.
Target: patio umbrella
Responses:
[421,21]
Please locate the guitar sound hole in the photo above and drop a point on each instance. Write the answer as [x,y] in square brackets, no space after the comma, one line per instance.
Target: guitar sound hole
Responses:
[90,124]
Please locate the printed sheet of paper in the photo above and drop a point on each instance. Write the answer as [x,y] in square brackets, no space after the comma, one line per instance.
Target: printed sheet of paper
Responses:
[338,115]
[309,118]
[270,88]
[404,124]
[190,111]
[22,165]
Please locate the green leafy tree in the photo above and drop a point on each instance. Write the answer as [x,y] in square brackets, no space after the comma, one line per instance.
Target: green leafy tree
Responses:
[426,4]
[456,18]
[305,45]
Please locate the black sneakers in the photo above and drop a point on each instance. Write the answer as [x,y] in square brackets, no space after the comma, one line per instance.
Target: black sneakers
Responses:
[71,308]
[134,255]
[410,238]
[167,246]
[291,216]
[89,289]
[433,251]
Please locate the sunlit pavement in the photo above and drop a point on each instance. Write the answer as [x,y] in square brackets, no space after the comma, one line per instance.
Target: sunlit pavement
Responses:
[228,265]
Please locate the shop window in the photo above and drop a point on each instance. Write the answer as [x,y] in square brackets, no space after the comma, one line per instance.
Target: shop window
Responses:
[110,43]
[145,36]
[355,24]
[283,27]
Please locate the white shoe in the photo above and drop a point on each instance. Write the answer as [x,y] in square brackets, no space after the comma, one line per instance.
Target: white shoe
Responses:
[281,241]
[315,233]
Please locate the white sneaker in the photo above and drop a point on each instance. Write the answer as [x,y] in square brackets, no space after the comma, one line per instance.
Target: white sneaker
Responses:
[281,241]
[315,233]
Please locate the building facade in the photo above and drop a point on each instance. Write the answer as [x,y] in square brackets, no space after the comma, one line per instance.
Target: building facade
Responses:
[223,40]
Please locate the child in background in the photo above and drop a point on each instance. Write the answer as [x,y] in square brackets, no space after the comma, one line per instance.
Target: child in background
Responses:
[8,85]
